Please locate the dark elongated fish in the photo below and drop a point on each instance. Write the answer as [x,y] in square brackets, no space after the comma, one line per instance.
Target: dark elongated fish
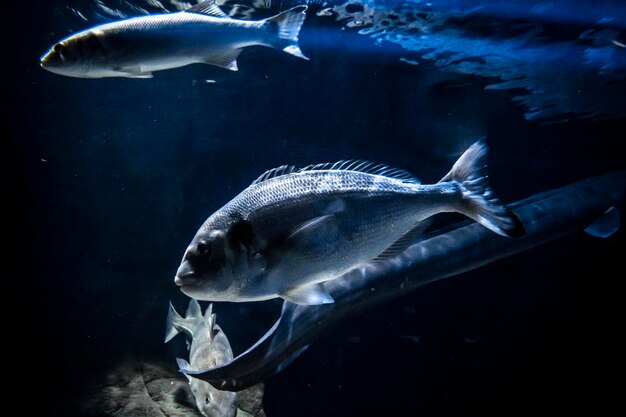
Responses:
[294,229]
[546,216]
[209,347]
[136,47]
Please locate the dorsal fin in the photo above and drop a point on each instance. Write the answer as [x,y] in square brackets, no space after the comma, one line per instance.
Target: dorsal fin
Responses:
[276,172]
[209,311]
[211,318]
[193,310]
[356,165]
[359,165]
[208,8]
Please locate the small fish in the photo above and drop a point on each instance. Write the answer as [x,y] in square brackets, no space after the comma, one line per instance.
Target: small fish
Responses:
[293,229]
[209,348]
[136,47]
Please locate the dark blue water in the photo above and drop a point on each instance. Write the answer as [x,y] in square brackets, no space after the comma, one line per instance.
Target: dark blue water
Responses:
[109,179]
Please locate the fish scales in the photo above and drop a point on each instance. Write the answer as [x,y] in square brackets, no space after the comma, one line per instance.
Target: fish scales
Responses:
[138,46]
[292,230]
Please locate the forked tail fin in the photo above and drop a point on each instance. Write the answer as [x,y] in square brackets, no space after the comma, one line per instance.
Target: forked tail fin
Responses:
[288,25]
[173,323]
[469,171]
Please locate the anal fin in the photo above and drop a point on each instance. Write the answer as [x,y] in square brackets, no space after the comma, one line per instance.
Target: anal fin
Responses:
[183,367]
[226,59]
[409,238]
[133,72]
[312,294]
[606,225]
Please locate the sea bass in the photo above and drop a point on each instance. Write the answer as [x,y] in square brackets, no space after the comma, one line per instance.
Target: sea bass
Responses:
[136,47]
[209,348]
[549,216]
[293,229]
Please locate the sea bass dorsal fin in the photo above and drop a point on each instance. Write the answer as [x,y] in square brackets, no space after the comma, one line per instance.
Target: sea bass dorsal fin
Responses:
[367,167]
[313,294]
[193,310]
[275,172]
[209,312]
[209,8]
[211,319]
[355,165]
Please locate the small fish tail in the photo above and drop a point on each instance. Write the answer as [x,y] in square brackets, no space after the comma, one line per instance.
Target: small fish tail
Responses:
[478,201]
[287,26]
[173,323]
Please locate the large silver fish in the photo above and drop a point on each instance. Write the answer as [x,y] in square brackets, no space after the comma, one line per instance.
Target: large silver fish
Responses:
[136,47]
[293,229]
[548,216]
[209,348]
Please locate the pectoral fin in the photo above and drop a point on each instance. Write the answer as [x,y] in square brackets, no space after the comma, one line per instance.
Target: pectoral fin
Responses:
[317,227]
[606,225]
[183,367]
[313,294]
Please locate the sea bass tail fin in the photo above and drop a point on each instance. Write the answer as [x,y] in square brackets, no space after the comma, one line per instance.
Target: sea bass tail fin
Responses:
[469,171]
[288,25]
[173,323]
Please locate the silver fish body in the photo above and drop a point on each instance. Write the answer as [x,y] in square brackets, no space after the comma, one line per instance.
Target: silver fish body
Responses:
[137,47]
[549,216]
[209,348]
[292,230]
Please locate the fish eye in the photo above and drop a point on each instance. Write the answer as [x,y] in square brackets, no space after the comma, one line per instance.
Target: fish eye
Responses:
[59,48]
[203,248]
[206,400]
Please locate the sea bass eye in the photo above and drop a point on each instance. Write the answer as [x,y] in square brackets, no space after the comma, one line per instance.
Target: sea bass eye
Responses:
[59,47]
[206,400]
[203,248]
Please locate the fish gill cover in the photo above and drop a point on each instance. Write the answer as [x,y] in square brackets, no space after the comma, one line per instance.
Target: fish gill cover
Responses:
[559,59]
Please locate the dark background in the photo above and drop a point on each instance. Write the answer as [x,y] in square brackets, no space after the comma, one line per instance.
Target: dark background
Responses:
[109,179]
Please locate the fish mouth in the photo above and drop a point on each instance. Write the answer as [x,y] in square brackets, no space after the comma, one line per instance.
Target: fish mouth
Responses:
[186,275]
[179,281]
[185,280]
[47,60]
[44,62]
